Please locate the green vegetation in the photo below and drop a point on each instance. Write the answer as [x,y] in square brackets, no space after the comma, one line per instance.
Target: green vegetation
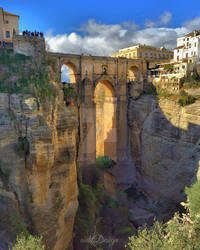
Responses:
[87,212]
[181,232]
[163,93]
[22,75]
[15,224]
[88,208]
[105,162]
[193,198]
[193,81]
[70,93]
[151,90]
[127,229]
[168,67]
[28,241]
[8,58]
[185,99]
[91,199]
[12,220]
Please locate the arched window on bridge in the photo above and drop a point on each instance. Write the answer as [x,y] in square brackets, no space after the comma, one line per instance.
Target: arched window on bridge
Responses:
[68,73]
[133,74]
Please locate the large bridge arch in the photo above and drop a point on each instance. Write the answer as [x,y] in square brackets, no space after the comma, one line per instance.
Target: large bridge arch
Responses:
[105,114]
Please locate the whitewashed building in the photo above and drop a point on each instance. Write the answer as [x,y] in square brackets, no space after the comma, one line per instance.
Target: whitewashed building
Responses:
[188,47]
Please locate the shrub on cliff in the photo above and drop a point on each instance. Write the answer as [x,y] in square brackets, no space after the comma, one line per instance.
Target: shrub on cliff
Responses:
[70,94]
[193,81]
[87,211]
[181,232]
[193,196]
[105,162]
[163,93]
[28,241]
[185,99]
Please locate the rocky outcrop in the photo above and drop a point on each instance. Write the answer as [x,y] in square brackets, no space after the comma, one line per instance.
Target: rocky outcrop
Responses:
[165,147]
[37,165]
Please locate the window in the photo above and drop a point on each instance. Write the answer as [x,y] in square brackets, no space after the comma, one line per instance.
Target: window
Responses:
[184,40]
[187,39]
[194,53]
[177,58]
[190,45]
[186,55]
[7,21]
[7,34]
[183,67]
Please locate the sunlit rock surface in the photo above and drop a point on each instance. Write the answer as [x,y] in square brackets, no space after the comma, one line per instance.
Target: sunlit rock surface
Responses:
[37,158]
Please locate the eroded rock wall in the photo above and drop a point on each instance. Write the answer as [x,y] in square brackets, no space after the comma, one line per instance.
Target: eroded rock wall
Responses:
[165,147]
[37,159]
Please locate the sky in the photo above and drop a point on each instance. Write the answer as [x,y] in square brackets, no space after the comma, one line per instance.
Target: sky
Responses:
[102,27]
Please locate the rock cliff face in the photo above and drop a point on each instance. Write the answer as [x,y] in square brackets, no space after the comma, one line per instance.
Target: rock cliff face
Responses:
[37,166]
[165,145]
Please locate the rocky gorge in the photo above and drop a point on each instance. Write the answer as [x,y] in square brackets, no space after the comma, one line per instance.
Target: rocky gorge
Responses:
[39,146]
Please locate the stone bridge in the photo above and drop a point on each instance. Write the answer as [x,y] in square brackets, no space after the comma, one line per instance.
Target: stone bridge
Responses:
[104,85]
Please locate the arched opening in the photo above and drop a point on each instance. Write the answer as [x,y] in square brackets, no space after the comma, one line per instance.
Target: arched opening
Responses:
[68,73]
[106,132]
[133,74]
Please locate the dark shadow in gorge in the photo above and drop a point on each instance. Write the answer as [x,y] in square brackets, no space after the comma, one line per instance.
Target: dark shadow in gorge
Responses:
[166,157]
[165,160]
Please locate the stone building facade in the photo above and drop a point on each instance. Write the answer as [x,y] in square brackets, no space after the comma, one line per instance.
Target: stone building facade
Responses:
[9,25]
[188,47]
[144,51]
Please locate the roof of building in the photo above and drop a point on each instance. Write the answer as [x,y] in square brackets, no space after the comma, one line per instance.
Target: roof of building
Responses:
[180,47]
[144,47]
[9,14]
[193,33]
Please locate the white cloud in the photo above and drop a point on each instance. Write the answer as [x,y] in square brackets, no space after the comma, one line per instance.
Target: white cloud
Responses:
[102,39]
[164,19]
[193,24]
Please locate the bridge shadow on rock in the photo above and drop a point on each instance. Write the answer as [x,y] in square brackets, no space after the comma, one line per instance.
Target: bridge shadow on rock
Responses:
[165,146]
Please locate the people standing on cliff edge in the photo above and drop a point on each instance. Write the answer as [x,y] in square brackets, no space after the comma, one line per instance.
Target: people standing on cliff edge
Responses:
[34,34]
